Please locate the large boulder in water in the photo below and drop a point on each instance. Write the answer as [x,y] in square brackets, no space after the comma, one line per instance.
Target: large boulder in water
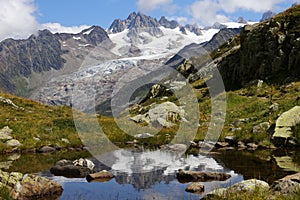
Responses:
[192,176]
[73,169]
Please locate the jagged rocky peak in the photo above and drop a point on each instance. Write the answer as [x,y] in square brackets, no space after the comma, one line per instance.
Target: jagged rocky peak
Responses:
[133,21]
[95,35]
[267,15]
[143,21]
[172,24]
[193,28]
[216,25]
[241,20]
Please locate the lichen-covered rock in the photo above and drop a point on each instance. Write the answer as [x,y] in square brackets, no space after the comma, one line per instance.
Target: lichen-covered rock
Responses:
[101,176]
[287,185]
[29,186]
[5,133]
[195,187]
[250,185]
[244,186]
[261,128]
[13,143]
[284,124]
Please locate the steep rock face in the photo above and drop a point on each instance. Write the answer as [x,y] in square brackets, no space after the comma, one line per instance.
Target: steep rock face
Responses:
[22,57]
[168,24]
[269,51]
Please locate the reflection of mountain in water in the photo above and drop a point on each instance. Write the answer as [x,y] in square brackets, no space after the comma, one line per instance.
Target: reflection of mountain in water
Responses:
[145,169]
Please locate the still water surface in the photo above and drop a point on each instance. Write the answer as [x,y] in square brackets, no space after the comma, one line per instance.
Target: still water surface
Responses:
[152,174]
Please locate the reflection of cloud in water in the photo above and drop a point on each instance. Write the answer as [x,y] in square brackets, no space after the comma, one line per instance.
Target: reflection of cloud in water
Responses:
[145,169]
[141,162]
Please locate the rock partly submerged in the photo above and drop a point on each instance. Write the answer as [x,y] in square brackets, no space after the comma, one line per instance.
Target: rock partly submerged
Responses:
[73,169]
[195,176]
[29,186]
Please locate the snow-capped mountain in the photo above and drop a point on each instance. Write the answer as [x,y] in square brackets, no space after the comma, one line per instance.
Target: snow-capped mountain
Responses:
[95,56]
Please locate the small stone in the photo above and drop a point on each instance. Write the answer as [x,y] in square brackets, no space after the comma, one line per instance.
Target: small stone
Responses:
[101,176]
[13,143]
[46,149]
[65,140]
[230,140]
[261,128]
[252,146]
[195,188]
[222,144]
[5,133]
[143,135]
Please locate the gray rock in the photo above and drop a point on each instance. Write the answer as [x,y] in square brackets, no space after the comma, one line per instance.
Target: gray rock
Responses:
[143,135]
[5,133]
[29,186]
[83,162]
[101,176]
[252,146]
[46,149]
[195,187]
[222,144]
[13,143]
[274,107]
[230,139]
[261,128]
[284,124]
[250,185]
[244,186]
[192,176]
[287,185]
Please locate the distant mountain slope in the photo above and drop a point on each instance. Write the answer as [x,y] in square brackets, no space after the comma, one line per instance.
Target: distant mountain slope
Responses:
[206,47]
[44,53]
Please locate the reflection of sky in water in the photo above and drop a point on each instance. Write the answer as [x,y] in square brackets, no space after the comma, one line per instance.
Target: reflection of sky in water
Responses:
[157,179]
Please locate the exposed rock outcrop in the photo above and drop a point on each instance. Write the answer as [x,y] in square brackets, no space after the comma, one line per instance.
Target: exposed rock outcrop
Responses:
[267,51]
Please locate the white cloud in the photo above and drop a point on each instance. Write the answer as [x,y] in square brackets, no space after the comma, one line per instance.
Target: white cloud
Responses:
[148,5]
[58,28]
[252,5]
[17,18]
[206,12]
[180,20]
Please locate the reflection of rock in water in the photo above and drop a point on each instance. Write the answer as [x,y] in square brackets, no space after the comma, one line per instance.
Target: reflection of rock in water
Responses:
[143,180]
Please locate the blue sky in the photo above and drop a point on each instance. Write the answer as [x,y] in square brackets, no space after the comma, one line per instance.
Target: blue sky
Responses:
[78,12]
[21,18]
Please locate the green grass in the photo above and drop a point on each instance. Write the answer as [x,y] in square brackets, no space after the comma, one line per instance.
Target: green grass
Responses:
[257,194]
[49,124]
[5,193]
